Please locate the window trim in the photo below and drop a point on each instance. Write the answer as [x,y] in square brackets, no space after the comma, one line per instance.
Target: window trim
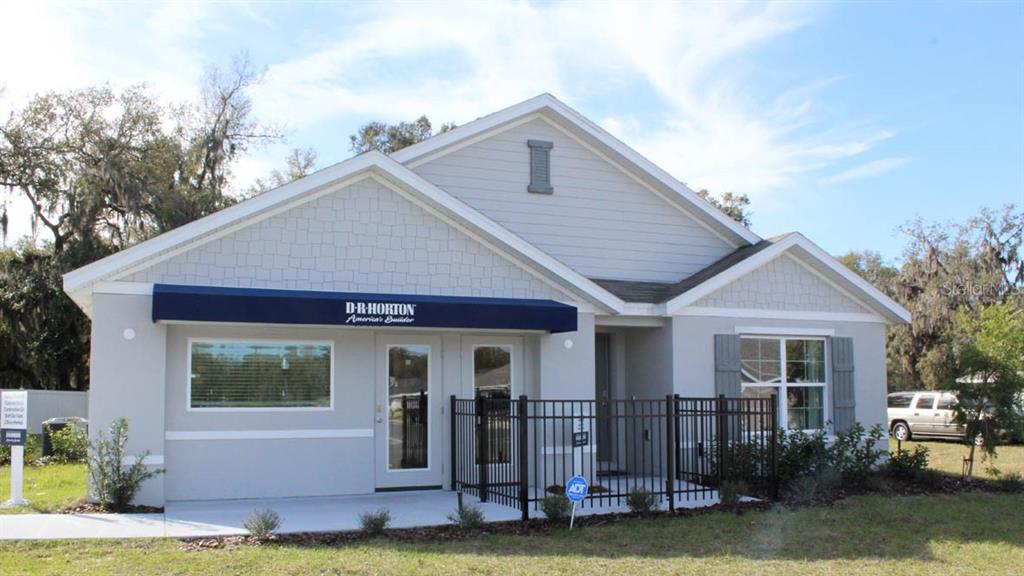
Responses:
[265,409]
[387,415]
[782,385]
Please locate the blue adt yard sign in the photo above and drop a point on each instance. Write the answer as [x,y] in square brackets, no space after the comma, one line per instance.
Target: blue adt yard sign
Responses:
[576,488]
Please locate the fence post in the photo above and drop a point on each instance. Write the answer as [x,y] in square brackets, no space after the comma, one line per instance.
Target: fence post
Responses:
[483,447]
[524,458]
[721,434]
[670,455]
[774,450]
[454,431]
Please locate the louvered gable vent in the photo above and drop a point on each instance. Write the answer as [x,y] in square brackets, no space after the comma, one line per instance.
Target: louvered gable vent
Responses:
[540,167]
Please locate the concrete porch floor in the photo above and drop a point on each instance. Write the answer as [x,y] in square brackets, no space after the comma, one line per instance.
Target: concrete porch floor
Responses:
[195,519]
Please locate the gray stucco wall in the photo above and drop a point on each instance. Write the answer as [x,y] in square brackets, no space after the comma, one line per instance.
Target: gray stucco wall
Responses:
[250,468]
[618,229]
[781,284]
[362,238]
[127,379]
[693,343]
[649,362]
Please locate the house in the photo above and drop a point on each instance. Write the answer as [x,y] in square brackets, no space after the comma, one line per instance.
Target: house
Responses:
[308,341]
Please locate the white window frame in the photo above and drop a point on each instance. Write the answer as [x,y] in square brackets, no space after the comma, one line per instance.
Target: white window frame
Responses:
[260,409]
[782,385]
[387,412]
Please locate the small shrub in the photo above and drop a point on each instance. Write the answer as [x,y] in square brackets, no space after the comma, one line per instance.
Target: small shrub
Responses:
[262,523]
[556,508]
[70,444]
[907,465]
[468,517]
[641,501]
[33,450]
[374,523]
[113,483]
[730,494]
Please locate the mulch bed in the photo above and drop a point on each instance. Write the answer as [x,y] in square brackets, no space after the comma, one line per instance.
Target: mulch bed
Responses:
[448,533]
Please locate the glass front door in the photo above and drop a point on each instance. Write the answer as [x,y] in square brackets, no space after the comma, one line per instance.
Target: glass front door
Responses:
[408,415]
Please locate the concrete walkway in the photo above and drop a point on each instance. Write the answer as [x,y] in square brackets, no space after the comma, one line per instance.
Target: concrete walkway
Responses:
[329,514]
[225,517]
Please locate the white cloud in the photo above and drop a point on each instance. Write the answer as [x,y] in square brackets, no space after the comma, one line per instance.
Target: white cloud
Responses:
[674,80]
[868,170]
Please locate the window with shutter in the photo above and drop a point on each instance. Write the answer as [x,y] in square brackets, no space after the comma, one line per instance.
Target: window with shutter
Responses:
[540,167]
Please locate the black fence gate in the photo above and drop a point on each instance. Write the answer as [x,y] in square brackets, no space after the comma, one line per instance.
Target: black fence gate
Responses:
[517,451]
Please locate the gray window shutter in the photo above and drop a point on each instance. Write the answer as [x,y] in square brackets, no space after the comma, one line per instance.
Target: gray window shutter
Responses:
[843,399]
[540,167]
[727,365]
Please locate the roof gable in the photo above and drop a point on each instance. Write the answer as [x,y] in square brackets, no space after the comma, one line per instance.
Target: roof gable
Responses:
[812,262]
[79,283]
[601,141]
[600,219]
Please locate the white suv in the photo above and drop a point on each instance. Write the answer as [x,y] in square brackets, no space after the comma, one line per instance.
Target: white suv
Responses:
[923,414]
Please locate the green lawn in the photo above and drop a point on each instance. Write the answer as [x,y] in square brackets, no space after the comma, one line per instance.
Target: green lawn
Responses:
[966,534]
[47,488]
[946,456]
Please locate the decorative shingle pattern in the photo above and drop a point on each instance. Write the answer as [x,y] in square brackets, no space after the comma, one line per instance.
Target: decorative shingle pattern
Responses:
[363,238]
[781,284]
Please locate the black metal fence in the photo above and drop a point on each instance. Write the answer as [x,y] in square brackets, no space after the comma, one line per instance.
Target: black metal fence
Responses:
[517,451]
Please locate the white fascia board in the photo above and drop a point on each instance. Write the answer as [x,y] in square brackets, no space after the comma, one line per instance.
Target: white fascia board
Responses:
[80,278]
[894,312]
[548,102]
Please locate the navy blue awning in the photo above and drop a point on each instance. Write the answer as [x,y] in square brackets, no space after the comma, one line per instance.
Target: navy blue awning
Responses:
[258,305]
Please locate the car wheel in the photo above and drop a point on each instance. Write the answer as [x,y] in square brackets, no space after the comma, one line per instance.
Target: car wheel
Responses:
[979,440]
[901,432]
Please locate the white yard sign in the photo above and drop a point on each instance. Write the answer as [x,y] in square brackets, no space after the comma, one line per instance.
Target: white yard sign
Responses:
[13,431]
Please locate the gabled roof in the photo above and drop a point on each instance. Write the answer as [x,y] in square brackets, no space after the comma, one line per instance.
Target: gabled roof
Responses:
[677,296]
[639,166]
[79,283]
[631,291]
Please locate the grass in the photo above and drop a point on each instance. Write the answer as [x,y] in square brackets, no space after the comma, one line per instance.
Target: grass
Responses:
[947,456]
[921,535]
[47,488]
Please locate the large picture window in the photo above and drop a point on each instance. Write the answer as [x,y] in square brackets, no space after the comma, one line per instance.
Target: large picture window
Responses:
[259,375]
[792,368]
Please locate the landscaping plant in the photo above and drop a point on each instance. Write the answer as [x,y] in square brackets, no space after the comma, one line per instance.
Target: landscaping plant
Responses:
[374,523]
[262,523]
[556,508]
[113,483]
[641,501]
[70,444]
[467,517]
[907,465]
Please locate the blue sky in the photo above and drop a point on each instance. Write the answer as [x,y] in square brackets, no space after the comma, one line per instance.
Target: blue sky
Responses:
[840,120]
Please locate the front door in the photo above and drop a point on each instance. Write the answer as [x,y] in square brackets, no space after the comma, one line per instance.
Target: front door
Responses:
[408,415]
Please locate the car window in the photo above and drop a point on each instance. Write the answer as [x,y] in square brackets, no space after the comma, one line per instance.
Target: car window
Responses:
[946,402]
[925,401]
[900,400]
